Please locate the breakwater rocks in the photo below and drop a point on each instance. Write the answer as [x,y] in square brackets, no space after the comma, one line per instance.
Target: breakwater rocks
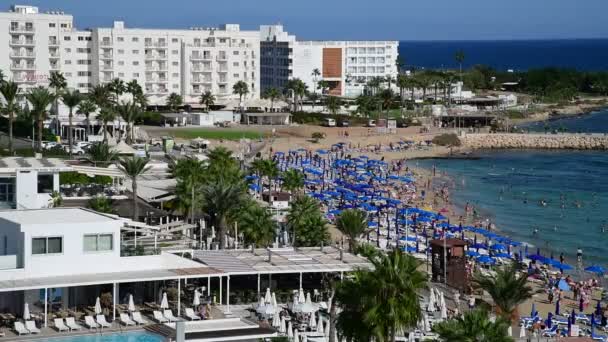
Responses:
[536,141]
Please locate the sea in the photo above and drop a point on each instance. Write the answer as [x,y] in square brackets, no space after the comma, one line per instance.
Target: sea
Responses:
[509,187]
[517,55]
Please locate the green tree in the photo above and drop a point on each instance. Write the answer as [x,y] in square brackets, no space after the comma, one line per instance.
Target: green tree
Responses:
[101,96]
[256,224]
[383,301]
[459,57]
[207,99]
[241,89]
[190,176]
[424,81]
[106,114]
[266,168]
[71,99]
[298,87]
[323,86]
[101,204]
[129,112]
[316,73]
[507,288]
[352,223]
[117,87]
[174,101]
[58,83]
[40,98]
[333,104]
[293,181]
[133,168]
[473,326]
[271,94]
[101,154]
[134,89]
[306,222]
[86,107]
[10,93]
[219,200]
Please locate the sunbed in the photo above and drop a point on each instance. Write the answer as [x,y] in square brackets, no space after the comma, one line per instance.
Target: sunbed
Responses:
[138,319]
[90,322]
[59,325]
[169,315]
[158,316]
[191,315]
[20,329]
[124,318]
[101,320]
[31,326]
[550,332]
[71,323]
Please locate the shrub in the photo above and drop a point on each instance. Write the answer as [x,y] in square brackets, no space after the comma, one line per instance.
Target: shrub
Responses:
[448,139]
[316,136]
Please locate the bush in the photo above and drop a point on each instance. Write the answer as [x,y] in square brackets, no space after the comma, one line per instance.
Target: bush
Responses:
[449,139]
[150,119]
[316,136]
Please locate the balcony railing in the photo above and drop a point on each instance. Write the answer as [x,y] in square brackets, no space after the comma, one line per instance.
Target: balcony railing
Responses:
[156,80]
[27,54]
[200,57]
[155,56]
[222,58]
[21,29]
[23,66]
[106,43]
[107,67]
[53,42]
[26,42]
[156,44]
[156,68]
[106,56]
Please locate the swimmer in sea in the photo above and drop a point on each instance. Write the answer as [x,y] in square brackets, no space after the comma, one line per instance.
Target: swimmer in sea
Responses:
[543,203]
[554,228]
[535,231]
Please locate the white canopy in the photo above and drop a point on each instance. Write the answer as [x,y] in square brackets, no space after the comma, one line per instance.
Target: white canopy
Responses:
[123,148]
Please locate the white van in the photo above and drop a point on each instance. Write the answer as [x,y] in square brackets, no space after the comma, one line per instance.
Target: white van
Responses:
[330,123]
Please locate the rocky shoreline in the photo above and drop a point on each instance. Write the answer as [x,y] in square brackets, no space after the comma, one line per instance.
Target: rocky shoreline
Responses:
[535,141]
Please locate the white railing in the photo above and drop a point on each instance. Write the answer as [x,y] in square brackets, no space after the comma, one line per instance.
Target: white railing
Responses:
[8,262]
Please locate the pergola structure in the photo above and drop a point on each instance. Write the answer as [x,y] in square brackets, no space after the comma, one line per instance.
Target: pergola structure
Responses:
[267,118]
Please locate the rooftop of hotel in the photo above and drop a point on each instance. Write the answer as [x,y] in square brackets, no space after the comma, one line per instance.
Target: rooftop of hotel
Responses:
[55,216]
[13,164]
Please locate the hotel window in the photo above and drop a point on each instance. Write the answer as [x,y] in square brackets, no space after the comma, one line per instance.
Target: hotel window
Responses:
[120,39]
[136,63]
[47,245]
[121,51]
[67,38]
[361,50]
[64,25]
[174,40]
[380,70]
[51,25]
[98,243]
[68,50]
[235,75]
[361,60]
[236,53]
[45,184]
[174,52]
[68,62]
[380,51]
[68,74]
[134,39]
[236,64]
[175,75]
[135,52]
[352,51]
[135,75]
[175,86]
[371,50]
[121,63]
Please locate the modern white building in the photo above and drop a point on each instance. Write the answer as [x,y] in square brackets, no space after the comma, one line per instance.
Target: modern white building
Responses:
[346,65]
[187,62]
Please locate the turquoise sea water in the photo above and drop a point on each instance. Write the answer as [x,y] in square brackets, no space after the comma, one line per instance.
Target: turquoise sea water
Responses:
[508,187]
[133,336]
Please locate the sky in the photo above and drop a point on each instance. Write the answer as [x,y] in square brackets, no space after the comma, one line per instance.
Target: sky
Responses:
[354,19]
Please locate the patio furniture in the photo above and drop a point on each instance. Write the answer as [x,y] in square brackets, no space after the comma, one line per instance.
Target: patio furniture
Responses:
[101,320]
[124,318]
[550,332]
[138,318]
[191,315]
[20,329]
[71,323]
[31,326]
[169,315]
[158,316]
[90,322]
[59,325]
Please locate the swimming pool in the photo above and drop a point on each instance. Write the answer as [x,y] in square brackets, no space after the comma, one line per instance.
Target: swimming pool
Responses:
[131,336]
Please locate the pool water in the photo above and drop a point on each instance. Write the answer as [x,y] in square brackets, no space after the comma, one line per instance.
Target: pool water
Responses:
[132,336]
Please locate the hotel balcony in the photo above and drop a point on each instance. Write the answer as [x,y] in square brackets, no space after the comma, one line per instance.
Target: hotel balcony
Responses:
[54,66]
[19,54]
[157,91]
[53,42]
[107,67]
[156,68]
[157,80]
[22,42]
[151,56]
[162,45]
[221,58]
[194,57]
[28,66]
[105,43]
[105,56]
[203,70]
[21,29]
[201,81]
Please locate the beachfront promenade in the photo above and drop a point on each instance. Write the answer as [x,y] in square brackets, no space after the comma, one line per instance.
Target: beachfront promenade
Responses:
[572,141]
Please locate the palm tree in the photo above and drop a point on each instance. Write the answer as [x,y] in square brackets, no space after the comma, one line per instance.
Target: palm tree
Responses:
[207,99]
[507,288]
[134,88]
[383,301]
[102,154]
[293,181]
[101,95]
[272,94]
[40,98]
[256,224]
[219,199]
[101,204]
[267,168]
[352,223]
[10,93]
[459,57]
[424,81]
[241,89]
[117,87]
[190,175]
[333,104]
[85,108]
[315,78]
[129,112]
[133,168]
[71,99]
[174,101]
[306,222]
[58,83]
[387,96]
[106,114]
[299,90]
[473,326]
[142,100]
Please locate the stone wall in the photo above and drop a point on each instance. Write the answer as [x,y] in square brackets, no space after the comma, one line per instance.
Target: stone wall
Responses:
[536,141]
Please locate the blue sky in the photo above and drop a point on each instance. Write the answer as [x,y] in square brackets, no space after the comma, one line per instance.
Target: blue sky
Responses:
[355,19]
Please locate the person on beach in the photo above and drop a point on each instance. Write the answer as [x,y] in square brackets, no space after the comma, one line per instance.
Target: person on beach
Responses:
[579,254]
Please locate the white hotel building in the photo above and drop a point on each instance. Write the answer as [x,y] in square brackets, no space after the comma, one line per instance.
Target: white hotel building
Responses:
[186,62]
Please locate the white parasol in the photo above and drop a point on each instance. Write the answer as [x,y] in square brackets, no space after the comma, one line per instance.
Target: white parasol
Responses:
[320,327]
[274,300]
[164,303]
[289,330]
[444,310]
[510,331]
[301,298]
[308,306]
[282,328]
[261,308]
[268,296]
[522,332]
[296,335]
[26,312]
[196,300]
[313,321]
[131,306]
[432,301]
[276,322]
[97,306]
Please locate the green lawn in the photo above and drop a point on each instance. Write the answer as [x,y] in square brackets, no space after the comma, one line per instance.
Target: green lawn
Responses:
[215,134]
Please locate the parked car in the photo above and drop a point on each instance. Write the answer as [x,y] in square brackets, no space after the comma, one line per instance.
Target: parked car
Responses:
[83,144]
[75,149]
[343,123]
[47,145]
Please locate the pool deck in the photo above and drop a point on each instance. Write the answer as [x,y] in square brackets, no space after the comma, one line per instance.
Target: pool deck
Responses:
[47,333]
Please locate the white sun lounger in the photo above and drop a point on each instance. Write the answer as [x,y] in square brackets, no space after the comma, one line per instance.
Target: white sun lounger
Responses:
[169,315]
[124,318]
[20,329]
[190,315]
[158,316]
[59,325]
[138,319]
[101,320]
[90,322]
[71,323]
[31,326]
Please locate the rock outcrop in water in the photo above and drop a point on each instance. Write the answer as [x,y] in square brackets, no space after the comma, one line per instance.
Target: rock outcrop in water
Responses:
[536,141]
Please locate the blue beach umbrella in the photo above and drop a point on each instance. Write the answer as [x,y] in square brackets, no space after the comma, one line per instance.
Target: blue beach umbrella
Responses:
[498,247]
[472,253]
[598,308]
[533,309]
[484,259]
[502,255]
[549,320]
[573,317]
[592,325]
[595,269]
[557,307]
[526,249]
[563,285]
